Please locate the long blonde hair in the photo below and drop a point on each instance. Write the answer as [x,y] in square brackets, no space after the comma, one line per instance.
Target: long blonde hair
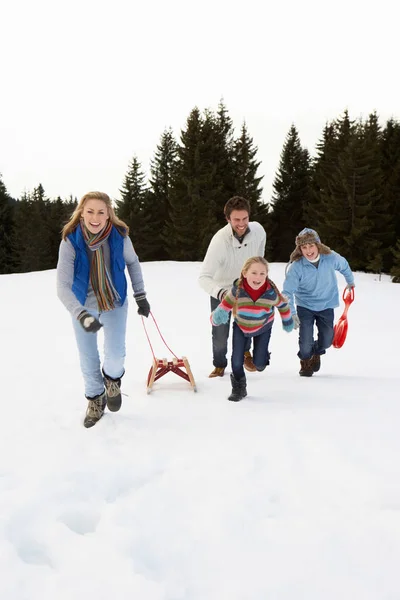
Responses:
[254,259]
[77,214]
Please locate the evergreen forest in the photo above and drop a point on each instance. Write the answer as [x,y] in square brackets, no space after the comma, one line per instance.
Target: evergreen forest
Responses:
[347,188]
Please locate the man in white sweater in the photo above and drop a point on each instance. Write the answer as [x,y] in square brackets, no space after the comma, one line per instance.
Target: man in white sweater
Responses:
[230,247]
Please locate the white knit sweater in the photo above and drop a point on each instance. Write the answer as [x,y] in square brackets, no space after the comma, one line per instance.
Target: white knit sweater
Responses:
[226,256]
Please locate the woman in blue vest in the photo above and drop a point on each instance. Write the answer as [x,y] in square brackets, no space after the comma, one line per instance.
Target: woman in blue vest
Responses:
[91,283]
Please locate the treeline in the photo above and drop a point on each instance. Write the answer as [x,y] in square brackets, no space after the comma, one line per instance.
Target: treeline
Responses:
[349,191]
[30,230]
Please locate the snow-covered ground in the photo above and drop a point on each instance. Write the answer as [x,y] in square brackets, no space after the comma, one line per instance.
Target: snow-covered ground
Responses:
[291,494]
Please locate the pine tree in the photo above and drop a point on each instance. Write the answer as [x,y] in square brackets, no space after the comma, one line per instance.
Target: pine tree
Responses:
[336,138]
[41,257]
[58,214]
[223,156]
[290,197]
[182,233]
[376,264]
[31,240]
[395,270]
[350,204]
[390,156]
[247,184]
[132,208]
[348,183]
[6,229]
[321,169]
[381,236]
[163,170]
[216,175]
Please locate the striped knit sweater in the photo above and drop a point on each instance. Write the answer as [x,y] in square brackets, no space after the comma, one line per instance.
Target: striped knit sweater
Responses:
[254,317]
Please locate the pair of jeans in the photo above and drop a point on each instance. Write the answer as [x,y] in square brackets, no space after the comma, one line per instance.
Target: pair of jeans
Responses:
[261,353]
[323,319]
[114,330]
[220,335]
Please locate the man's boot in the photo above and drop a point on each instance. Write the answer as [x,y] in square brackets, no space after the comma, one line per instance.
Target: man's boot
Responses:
[248,362]
[316,362]
[217,372]
[95,410]
[239,389]
[113,393]
[306,369]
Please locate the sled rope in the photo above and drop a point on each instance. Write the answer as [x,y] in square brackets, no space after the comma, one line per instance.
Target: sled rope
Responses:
[161,336]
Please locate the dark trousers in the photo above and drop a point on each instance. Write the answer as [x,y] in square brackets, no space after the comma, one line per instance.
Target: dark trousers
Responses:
[261,354]
[220,335]
[323,319]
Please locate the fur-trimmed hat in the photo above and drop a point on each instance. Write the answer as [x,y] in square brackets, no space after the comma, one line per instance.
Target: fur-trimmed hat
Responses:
[308,236]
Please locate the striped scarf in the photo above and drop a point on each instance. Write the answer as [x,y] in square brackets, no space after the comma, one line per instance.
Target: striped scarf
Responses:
[100,278]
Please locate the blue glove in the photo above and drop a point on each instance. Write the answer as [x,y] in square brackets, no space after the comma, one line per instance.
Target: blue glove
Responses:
[220,316]
[288,326]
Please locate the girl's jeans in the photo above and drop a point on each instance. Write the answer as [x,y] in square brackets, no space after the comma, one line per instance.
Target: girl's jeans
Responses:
[260,350]
[324,322]
[114,328]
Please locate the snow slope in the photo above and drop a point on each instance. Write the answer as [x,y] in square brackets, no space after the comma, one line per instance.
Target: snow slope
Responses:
[293,493]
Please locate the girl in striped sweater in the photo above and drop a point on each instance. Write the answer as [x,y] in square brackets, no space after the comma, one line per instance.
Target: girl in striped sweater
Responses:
[252,300]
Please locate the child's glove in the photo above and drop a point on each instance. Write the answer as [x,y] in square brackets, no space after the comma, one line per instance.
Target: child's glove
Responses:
[349,286]
[220,316]
[296,321]
[88,322]
[288,326]
[144,306]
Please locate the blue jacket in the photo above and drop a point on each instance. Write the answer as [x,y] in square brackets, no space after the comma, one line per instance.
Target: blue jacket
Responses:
[82,264]
[316,288]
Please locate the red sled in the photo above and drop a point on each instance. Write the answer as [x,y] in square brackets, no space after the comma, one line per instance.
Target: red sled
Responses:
[341,327]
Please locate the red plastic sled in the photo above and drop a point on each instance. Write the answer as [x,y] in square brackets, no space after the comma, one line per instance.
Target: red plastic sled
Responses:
[340,329]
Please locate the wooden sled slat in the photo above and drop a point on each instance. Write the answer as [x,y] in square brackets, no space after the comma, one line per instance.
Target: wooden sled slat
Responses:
[179,366]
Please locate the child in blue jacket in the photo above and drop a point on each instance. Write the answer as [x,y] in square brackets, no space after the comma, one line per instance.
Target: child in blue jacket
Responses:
[312,289]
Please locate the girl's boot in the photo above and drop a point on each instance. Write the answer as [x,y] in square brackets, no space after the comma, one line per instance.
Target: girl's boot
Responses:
[239,389]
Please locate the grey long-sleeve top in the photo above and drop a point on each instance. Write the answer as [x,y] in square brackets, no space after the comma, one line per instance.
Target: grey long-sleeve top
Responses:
[65,275]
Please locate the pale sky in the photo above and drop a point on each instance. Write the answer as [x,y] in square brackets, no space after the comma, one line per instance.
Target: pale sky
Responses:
[86,85]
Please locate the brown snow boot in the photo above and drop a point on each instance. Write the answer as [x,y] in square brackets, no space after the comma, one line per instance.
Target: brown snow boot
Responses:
[248,362]
[217,372]
[306,367]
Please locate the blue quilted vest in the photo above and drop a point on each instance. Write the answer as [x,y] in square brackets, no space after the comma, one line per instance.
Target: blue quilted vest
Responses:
[82,264]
